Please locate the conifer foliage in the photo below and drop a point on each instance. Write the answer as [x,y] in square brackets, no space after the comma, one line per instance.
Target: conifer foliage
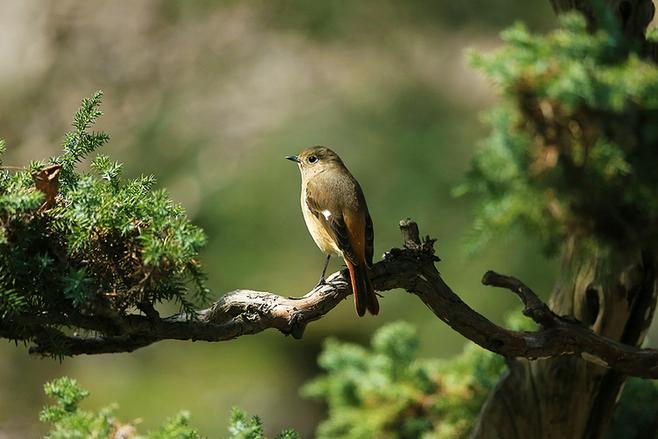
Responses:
[572,147]
[571,153]
[68,420]
[387,391]
[77,246]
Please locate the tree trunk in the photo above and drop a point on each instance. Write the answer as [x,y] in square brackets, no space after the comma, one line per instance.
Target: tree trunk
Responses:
[615,295]
[612,291]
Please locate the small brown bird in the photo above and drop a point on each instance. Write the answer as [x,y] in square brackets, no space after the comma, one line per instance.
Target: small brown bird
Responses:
[337,218]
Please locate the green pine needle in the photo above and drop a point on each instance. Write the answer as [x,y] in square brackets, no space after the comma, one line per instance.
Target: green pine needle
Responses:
[572,141]
[122,243]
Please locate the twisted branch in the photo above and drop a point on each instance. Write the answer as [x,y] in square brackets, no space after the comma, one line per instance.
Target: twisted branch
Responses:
[411,268]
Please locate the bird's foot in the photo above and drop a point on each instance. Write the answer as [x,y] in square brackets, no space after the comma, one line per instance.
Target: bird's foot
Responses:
[149,311]
[321,283]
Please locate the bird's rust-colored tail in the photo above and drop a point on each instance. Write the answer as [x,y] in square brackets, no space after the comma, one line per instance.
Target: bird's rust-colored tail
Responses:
[364,294]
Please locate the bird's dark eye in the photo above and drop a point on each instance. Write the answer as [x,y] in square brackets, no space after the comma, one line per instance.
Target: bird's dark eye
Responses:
[312,159]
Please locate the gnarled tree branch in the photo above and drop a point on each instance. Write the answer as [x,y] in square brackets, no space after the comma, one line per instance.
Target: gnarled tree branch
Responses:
[411,268]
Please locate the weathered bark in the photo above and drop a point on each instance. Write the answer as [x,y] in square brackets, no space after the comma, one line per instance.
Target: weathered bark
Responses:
[411,268]
[613,291]
[615,295]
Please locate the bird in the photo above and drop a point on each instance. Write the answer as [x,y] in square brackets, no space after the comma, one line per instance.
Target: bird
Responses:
[337,217]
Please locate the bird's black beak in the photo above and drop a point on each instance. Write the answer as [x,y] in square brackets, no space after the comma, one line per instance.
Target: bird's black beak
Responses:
[293,158]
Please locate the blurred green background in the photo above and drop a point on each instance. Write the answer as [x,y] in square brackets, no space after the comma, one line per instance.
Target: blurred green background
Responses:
[209,96]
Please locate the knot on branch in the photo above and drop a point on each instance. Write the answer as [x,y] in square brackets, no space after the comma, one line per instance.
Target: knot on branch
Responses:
[420,249]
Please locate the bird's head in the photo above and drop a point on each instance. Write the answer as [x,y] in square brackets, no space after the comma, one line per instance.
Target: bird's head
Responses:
[315,159]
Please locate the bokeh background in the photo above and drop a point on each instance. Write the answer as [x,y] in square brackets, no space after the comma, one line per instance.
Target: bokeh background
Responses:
[209,96]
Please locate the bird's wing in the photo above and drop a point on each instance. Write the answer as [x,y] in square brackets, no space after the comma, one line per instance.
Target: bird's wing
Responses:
[370,239]
[332,220]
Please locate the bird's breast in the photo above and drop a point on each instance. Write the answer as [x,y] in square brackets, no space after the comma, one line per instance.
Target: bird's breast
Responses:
[317,230]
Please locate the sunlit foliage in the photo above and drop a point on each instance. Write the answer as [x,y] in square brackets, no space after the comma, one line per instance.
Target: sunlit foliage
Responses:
[572,145]
[69,421]
[386,391]
[106,245]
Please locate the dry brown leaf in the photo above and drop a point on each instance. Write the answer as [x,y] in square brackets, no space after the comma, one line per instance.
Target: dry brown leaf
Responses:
[47,181]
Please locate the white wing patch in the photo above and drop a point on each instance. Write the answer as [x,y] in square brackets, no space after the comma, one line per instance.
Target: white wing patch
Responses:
[326,214]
